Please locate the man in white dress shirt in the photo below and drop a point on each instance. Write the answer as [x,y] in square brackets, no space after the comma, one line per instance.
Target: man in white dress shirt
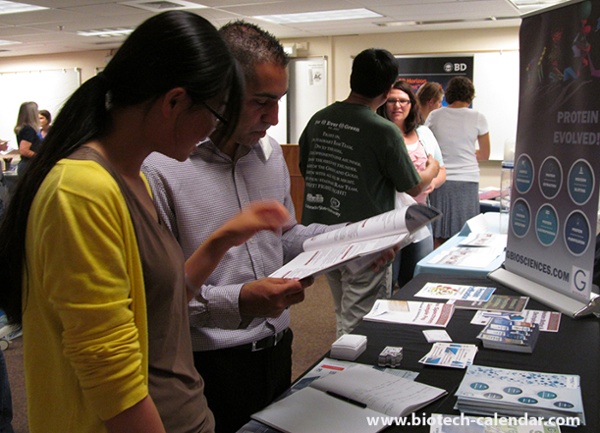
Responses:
[241,337]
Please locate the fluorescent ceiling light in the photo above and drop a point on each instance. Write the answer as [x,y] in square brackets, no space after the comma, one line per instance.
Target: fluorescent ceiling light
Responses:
[4,42]
[532,5]
[7,7]
[307,17]
[105,33]
[163,5]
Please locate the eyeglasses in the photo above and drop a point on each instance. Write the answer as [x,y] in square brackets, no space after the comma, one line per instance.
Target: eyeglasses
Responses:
[402,102]
[215,113]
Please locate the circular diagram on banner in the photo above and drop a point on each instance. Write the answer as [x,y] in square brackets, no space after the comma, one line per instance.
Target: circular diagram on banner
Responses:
[520,218]
[577,233]
[581,182]
[524,174]
[551,176]
[546,225]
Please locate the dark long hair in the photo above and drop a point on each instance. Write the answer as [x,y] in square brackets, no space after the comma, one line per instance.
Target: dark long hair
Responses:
[413,120]
[172,49]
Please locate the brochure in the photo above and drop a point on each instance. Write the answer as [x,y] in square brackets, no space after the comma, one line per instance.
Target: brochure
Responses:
[507,303]
[498,391]
[344,401]
[548,321]
[435,314]
[358,244]
[455,291]
[510,335]
[452,355]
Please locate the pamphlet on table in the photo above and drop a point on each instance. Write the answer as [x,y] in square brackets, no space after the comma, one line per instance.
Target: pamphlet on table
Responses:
[470,257]
[435,314]
[548,321]
[455,291]
[344,401]
[504,392]
[454,355]
[358,244]
[509,335]
[508,303]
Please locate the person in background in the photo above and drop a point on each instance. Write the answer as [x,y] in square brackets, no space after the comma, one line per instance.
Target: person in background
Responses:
[430,96]
[353,162]
[6,409]
[26,130]
[464,139]
[4,193]
[401,108]
[90,270]
[45,121]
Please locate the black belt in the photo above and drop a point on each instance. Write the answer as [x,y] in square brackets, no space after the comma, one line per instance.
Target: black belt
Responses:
[265,343]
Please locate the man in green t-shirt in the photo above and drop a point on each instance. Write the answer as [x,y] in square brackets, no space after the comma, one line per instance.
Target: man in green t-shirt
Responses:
[353,162]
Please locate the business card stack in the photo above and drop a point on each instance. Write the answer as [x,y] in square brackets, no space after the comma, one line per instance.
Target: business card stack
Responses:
[510,335]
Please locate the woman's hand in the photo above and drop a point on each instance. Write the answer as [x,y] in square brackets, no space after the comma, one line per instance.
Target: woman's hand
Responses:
[262,215]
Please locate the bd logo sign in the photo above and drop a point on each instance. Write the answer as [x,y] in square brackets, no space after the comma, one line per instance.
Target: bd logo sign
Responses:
[455,67]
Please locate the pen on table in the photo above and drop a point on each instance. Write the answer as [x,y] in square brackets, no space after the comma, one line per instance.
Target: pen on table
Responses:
[346,399]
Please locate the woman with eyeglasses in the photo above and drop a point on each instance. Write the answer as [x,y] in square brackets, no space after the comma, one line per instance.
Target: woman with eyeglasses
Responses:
[95,277]
[401,108]
[463,136]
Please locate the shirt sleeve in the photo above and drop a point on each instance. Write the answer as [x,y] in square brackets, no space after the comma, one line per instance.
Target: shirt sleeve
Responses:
[89,285]
[482,124]
[430,142]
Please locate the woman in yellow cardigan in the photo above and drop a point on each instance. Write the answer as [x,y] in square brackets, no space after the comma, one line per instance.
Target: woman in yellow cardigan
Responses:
[97,281]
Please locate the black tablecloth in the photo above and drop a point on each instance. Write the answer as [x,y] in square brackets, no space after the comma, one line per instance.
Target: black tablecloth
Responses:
[575,349]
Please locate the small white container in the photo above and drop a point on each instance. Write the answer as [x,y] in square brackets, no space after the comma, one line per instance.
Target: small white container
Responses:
[348,347]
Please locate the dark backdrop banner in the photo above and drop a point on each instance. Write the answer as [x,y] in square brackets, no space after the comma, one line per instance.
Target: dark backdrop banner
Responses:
[554,199]
[418,70]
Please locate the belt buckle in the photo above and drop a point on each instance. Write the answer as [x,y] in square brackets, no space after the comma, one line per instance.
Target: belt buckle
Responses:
[268,342]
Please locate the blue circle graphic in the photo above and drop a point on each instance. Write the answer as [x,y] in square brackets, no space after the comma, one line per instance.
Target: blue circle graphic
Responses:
[546,225]
[581,182]
[520,218]
[577,233]
[550,177]
[524,174]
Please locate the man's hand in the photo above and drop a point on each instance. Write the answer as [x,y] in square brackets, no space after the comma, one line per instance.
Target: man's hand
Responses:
[433,164]
[269,297]
[384,258]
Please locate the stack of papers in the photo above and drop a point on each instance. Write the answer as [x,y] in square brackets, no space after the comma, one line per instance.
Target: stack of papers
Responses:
[508,303]
[548,321]
[510,335]
[452,355]
[345,401]
[477,250]
[455,291]
[497,391]
[411,313]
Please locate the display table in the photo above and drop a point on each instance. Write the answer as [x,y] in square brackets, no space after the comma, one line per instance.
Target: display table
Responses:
[487,223]
[575,349]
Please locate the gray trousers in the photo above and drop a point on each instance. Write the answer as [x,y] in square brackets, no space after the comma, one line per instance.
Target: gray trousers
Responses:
[354,295]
